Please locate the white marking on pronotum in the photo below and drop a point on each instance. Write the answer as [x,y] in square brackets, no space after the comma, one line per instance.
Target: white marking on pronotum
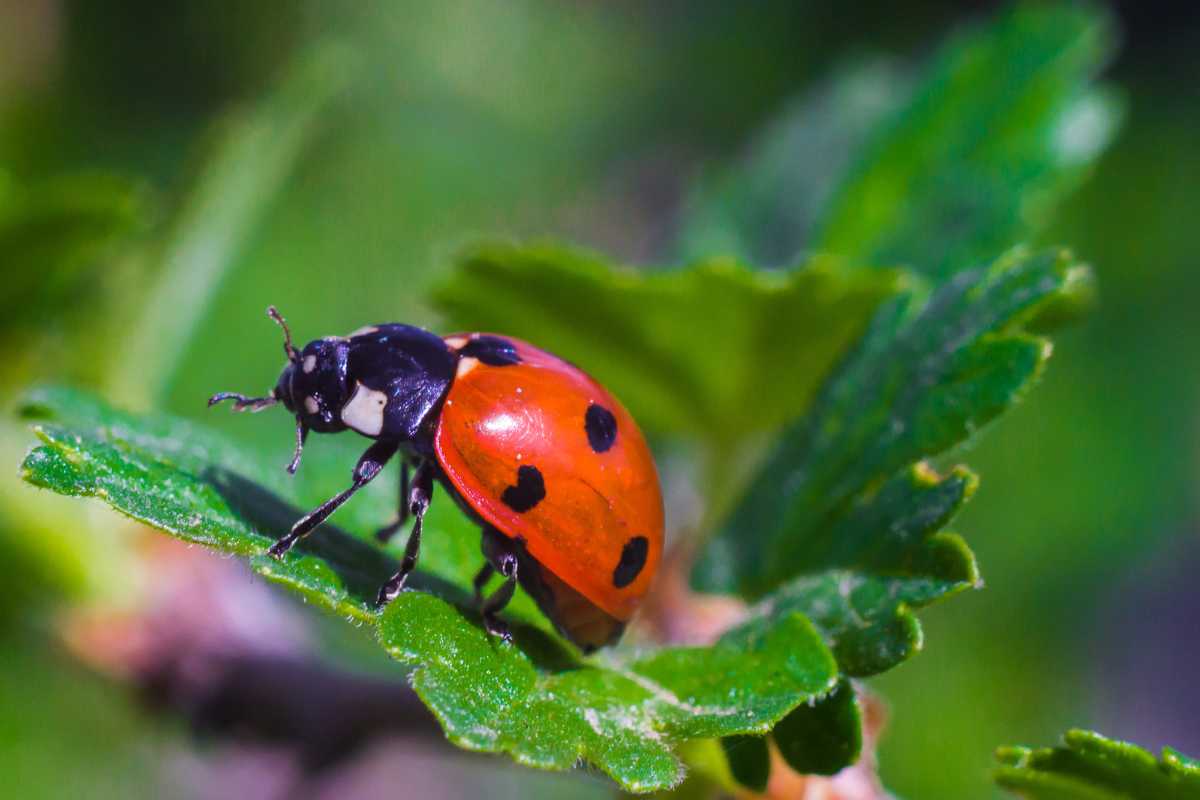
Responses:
[363,331]
[310,405]
[456,342]
[310,363]
[465,365]
[364,411]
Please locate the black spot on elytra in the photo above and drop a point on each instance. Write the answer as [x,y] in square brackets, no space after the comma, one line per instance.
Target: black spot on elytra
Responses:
[492,350]
[601,427]
[633,558]
[529,491]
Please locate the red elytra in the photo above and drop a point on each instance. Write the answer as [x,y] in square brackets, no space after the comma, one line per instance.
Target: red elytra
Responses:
[597,529]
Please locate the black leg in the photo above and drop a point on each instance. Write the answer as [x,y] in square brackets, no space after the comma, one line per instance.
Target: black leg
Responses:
[301,438]
[385,533]
[481,579]
[418,504]
[498,549]
[369,465]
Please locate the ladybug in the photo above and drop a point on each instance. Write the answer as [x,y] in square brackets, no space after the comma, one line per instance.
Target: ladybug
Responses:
[547,462]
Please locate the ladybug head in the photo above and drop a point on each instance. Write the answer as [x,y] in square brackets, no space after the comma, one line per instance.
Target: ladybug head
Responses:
[312,386]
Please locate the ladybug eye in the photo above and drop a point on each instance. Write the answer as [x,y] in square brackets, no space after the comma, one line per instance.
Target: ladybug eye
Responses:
[312,404]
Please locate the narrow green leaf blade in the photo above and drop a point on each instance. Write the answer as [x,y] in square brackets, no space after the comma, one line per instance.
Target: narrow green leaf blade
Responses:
[1088,766]
[1004,122]
[248,162]
[715,350]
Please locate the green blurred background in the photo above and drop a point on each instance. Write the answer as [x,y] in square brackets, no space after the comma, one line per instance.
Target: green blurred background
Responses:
[328,158]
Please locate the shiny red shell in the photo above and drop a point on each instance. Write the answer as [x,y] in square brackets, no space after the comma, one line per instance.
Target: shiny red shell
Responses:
[597,525]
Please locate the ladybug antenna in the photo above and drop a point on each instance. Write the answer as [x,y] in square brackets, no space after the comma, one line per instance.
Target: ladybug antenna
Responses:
[301,435]
[288,348]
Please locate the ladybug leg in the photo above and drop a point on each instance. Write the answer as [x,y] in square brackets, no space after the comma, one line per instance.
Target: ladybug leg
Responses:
[369,465]
[385,533]
[243,403]
[481,579]
[503,559]
[418,504]
[496,603]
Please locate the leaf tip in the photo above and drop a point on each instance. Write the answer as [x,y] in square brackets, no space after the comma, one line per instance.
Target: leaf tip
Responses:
[969,480]
[1011,756]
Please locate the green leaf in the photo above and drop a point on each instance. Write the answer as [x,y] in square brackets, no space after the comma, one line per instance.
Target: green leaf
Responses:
[886,559]
[538,701]
[749,760]
[715,350]
[620,716]
[823,738]
[1004,122]
[837,501]
[1088,766]
[819,738]
[864,604]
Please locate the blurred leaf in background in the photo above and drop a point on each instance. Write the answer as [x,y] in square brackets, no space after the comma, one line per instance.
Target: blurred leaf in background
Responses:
[249,160]
[937,170]
[763,208]
[1001,125]
[55,235]
[61,240]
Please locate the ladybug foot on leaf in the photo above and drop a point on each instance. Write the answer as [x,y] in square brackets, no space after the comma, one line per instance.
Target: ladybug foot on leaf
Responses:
[418,504]
[390,591]
[497,627]
[282,545]
[502,558]
[368,466]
